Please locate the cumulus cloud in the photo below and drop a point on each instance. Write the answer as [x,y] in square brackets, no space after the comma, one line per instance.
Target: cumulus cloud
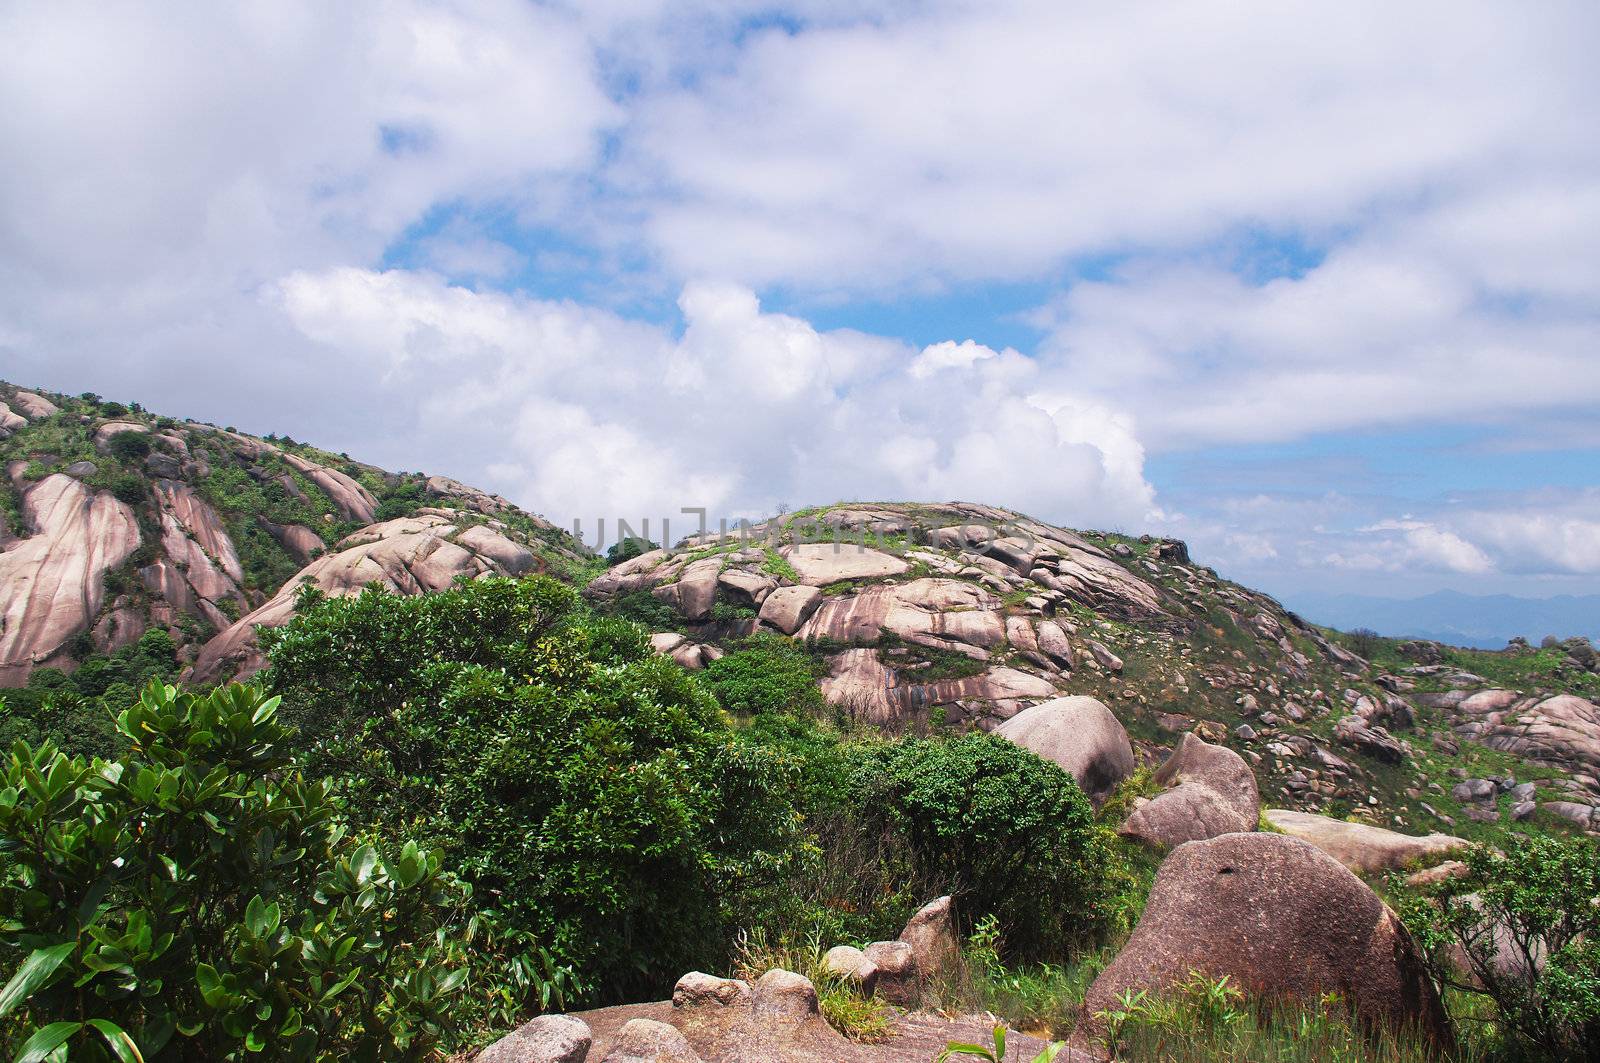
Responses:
[593,415]
[1244,227]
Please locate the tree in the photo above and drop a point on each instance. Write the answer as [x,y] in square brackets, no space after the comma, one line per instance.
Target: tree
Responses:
[582,782]
[628,549]
[1522,928]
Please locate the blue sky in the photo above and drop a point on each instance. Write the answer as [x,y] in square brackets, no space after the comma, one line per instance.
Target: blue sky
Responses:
[1315,287]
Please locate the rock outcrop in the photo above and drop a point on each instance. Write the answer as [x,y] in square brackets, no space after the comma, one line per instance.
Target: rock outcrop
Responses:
[1210,791]
[1080,735]
[1279,918]
[410,555]
[546,1039]
[54,577]
[1363,848]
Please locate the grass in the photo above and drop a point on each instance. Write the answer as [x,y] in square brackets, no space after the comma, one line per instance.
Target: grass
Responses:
[858,1017]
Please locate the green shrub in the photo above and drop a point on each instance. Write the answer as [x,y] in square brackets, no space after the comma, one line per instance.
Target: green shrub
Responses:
[1525,922]
[196,900]
[767,673]
[585,784]
[628,549]
[131,447]
[1005,831]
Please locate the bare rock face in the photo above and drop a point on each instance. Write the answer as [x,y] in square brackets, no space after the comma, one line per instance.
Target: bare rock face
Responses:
[776,1020]
[1370,739]
[899,980]
[691,655]
[787,608]
[819,564]
[942,614]
[931,933]
[1562,731]
[409,555]
[54,578]
[303,544]
[695,591]
[1280,918]
[111,429]
[649,1041]
[1212,791]
[10,422]
[1081,735]
[197,545]
[33,407]
[851,964]
[354,501]
[547,1039]
[1363,848]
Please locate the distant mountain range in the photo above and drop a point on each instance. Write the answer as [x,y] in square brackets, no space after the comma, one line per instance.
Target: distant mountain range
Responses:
[1479,621]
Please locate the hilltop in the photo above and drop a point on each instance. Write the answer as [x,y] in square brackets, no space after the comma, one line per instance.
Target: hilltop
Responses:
[115,522]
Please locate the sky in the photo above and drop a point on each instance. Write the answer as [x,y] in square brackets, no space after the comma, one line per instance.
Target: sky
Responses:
[1315,287]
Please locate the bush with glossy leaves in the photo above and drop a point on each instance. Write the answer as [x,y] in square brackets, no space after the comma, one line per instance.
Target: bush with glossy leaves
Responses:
[197,898]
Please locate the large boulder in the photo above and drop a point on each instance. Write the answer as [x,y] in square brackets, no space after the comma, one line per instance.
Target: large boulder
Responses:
[1278,918]
[54,579]
[788,607]
[1081,736]
[944,614]
[818,564]
[1211,791]
[650,1041]
[410,555]
[354,501]
[898,981]
[547,1039]
[931,933]
[1362,847]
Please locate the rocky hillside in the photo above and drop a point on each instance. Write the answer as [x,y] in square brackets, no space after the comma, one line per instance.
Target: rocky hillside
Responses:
[114,521]
[925,616]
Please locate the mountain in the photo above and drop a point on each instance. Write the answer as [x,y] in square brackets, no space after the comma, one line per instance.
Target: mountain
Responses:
[114,521]
[953,615]
[1482,621]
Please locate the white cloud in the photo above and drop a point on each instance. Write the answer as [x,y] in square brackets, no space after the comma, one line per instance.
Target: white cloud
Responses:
[591,415]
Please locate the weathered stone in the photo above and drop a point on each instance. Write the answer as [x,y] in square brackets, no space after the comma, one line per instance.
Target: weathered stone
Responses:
[1374,741]
[1054,645]
[931,933]
[819,564]
[55,577]
[851,964]
[547,1039]
[1430,876]
[899,981]
[937,613]
[409,555]
[1081,736]
[649,1041]
[697,989]
[1279,918]
[1474,790]
[1362,847]
[1211,791]
[752,587]
[1106,659]
[787,608]
[32,406]
[353,501]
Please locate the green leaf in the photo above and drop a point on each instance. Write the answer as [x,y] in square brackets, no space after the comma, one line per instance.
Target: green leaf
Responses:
[34,972]
[45,1041]
[119,1041]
